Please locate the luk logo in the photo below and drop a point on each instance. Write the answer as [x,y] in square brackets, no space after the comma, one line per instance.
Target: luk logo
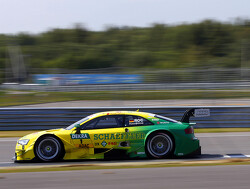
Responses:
[80,136]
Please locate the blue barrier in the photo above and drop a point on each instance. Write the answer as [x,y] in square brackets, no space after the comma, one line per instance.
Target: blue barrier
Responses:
[80,79]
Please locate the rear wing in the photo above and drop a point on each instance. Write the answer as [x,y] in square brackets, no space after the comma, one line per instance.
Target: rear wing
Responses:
[196,112]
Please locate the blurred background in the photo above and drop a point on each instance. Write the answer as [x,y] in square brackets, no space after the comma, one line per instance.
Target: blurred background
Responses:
[199,55]
[205,55]
[61,60]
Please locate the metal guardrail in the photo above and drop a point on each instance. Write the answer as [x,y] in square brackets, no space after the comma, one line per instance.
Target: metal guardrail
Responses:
[127,87]
[51,118]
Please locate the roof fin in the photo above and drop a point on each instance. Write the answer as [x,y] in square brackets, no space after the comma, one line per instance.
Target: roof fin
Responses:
[137,110]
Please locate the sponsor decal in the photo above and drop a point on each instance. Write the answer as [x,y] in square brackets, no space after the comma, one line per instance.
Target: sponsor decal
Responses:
[136,121]
[164,122]
[112,143]
[139,153]
[155,119]
[80,136]
[84,145]
[104,143]
[117,136]
[201,113]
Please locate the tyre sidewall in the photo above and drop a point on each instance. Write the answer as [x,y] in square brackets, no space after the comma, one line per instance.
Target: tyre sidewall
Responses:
[150,154]
[57,157]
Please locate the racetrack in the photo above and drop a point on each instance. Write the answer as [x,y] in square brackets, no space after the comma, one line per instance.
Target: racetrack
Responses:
[214,146]
[221,177]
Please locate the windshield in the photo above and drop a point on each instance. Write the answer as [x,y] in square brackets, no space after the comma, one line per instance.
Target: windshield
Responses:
[166,118]
[76,123]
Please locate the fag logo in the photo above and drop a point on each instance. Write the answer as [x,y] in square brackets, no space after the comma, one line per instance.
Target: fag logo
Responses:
[80,136]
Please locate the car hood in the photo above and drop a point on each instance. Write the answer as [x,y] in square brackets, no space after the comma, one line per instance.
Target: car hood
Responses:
[38,134]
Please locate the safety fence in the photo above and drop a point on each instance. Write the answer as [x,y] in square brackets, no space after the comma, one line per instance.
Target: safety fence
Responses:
[51,118]
[126,87]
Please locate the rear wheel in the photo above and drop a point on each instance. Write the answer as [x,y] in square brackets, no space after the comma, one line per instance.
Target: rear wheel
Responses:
[48,148]
[159,145]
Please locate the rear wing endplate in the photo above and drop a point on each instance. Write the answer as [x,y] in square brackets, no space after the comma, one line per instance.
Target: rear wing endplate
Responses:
[196,112]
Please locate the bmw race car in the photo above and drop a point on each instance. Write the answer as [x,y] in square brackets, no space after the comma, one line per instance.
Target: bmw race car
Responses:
[114,134]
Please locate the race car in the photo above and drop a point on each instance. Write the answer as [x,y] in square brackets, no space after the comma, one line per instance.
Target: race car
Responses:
[114,134]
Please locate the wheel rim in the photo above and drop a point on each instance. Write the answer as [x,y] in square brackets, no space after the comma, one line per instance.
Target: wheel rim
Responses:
[160,145]
[48,149]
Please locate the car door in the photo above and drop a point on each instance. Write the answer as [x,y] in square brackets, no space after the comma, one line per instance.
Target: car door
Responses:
[105,132]
[136,128]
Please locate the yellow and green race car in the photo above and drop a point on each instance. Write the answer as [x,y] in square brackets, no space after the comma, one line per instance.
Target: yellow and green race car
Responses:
[114,134]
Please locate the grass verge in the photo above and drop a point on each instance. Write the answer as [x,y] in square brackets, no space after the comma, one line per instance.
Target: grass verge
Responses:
[10,98]
[4,134]
[124,165]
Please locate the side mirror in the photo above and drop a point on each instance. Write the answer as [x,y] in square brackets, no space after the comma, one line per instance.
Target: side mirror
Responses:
[78,128]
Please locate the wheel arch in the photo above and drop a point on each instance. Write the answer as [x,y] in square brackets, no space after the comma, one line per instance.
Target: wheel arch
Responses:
[51,135]
[159,131]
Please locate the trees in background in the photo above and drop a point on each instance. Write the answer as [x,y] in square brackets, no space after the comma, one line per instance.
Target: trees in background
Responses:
[206,44]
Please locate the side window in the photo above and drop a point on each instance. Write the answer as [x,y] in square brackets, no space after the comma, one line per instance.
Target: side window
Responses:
[104,122]
[131,120]
[90,124]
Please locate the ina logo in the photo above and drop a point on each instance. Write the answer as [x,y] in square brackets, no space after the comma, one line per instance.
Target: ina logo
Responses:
[104,143]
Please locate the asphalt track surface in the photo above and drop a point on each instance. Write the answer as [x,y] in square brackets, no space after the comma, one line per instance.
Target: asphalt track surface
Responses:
[228,177]
[214,146]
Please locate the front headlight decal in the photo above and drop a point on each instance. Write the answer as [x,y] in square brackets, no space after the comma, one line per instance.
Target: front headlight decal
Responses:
[23,142]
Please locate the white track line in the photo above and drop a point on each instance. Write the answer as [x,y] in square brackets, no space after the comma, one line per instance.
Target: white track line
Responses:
[214,136]
[236,156]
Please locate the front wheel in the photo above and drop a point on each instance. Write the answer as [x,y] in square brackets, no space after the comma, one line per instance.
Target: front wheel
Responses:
[48,149]
[159,145]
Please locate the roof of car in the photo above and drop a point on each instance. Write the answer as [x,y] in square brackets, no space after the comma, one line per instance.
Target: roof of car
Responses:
[143,114]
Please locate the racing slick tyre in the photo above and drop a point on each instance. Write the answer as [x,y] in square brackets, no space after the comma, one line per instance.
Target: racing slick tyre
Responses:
[48,148]
[159,145]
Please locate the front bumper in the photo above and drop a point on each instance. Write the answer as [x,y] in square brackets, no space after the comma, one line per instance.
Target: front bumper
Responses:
[24,152]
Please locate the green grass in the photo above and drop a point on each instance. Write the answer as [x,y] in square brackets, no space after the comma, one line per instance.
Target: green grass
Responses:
[124,166]
[7,99]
